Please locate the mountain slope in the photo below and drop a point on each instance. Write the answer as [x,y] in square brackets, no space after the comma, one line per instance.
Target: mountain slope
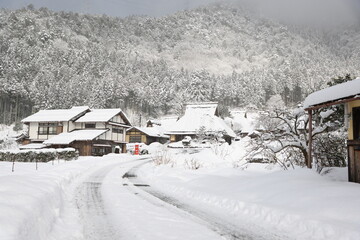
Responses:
[220,52]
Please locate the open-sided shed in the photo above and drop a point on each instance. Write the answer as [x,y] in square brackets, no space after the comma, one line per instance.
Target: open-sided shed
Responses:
[347,93]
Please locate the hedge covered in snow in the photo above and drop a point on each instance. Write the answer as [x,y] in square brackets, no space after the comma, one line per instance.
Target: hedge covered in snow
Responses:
[39,155]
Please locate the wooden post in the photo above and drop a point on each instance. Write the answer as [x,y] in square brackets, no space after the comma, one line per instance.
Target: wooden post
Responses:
[310,140]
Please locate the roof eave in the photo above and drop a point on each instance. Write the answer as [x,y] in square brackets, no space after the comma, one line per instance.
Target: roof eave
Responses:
[333,102]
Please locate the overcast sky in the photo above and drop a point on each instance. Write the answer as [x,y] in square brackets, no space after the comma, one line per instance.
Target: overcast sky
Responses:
[119,8]
[308,11]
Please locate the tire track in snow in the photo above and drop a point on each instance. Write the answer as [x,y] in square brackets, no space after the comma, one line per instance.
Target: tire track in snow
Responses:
[223,227]
[89,201]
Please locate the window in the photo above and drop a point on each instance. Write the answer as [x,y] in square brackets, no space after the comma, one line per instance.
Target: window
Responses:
[47,128]
[52,128]
[117,130]
[356,122]
[135,139]
[90,125]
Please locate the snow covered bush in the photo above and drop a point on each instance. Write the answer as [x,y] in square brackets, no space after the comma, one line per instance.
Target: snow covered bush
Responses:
[67,154]
[330,150]
[44,155]
[6,137]
[192,164]
[220,150]
[161,157]
[285,138]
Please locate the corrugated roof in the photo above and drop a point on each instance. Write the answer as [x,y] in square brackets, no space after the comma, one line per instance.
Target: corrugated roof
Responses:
[334,93]
[78,135]
[99,115]
[56,115]
[155,131]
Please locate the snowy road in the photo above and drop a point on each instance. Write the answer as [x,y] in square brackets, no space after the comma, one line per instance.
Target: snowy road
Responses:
[212,220]
[110,209]
[113,203]
[91,208]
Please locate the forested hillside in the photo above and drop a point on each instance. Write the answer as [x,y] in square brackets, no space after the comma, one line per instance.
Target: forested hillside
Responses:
[154,65]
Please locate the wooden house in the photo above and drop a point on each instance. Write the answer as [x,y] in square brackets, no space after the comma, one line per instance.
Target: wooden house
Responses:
[347,93]
[200,117]
[90,131]
[146,135]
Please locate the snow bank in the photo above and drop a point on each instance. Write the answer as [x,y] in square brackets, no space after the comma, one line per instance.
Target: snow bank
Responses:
[300,202]
[33,202]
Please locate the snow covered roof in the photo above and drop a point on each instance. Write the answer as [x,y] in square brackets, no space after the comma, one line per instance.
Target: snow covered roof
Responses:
[200,115]
[245,121]
[165,122]
[155,131]
[99,115]
[202,108]
[33,146]
[191,123]
[78,135]
[334,93]
[56,115]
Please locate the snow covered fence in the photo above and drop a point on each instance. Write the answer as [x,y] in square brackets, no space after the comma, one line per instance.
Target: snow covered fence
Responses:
[42,155]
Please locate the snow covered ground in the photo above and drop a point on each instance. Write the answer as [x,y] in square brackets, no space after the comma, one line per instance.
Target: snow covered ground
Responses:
[299,203]
[40,204]
[127,197]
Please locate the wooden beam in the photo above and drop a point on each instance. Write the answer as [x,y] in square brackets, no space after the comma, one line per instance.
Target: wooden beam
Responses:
[309,161]
[332,103]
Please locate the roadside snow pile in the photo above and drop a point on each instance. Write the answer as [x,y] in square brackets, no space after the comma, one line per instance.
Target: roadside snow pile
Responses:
[191,144]
[300,202]
[211,156]
[32,202]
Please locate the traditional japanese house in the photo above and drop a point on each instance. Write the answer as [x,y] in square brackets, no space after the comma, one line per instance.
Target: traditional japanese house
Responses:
[90,131]
[200,117]
[347,93]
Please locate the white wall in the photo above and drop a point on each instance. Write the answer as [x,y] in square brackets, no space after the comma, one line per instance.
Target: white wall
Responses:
[117,119]
[33,130]
[72,126]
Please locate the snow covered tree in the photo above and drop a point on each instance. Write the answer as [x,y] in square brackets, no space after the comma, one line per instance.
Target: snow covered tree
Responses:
[285,138]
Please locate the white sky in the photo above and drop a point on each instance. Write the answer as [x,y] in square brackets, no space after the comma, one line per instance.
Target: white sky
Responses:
[119,8]
[303,11]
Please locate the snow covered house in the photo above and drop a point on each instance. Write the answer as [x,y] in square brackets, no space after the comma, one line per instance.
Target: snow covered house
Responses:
[246,122]
[146,135]
[200,117]
[347,93]
[90,131]
[166,122]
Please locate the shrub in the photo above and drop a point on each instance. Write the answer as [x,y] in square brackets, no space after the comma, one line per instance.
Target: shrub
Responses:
[162,157]
[42,155]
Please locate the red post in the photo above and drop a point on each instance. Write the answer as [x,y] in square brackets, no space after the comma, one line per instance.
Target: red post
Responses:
[309,161]
[136,149]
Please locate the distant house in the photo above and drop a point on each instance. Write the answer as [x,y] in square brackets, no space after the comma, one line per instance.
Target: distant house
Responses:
[91,131]
[347,93]
[246,122]
[146,135]
[200,117]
